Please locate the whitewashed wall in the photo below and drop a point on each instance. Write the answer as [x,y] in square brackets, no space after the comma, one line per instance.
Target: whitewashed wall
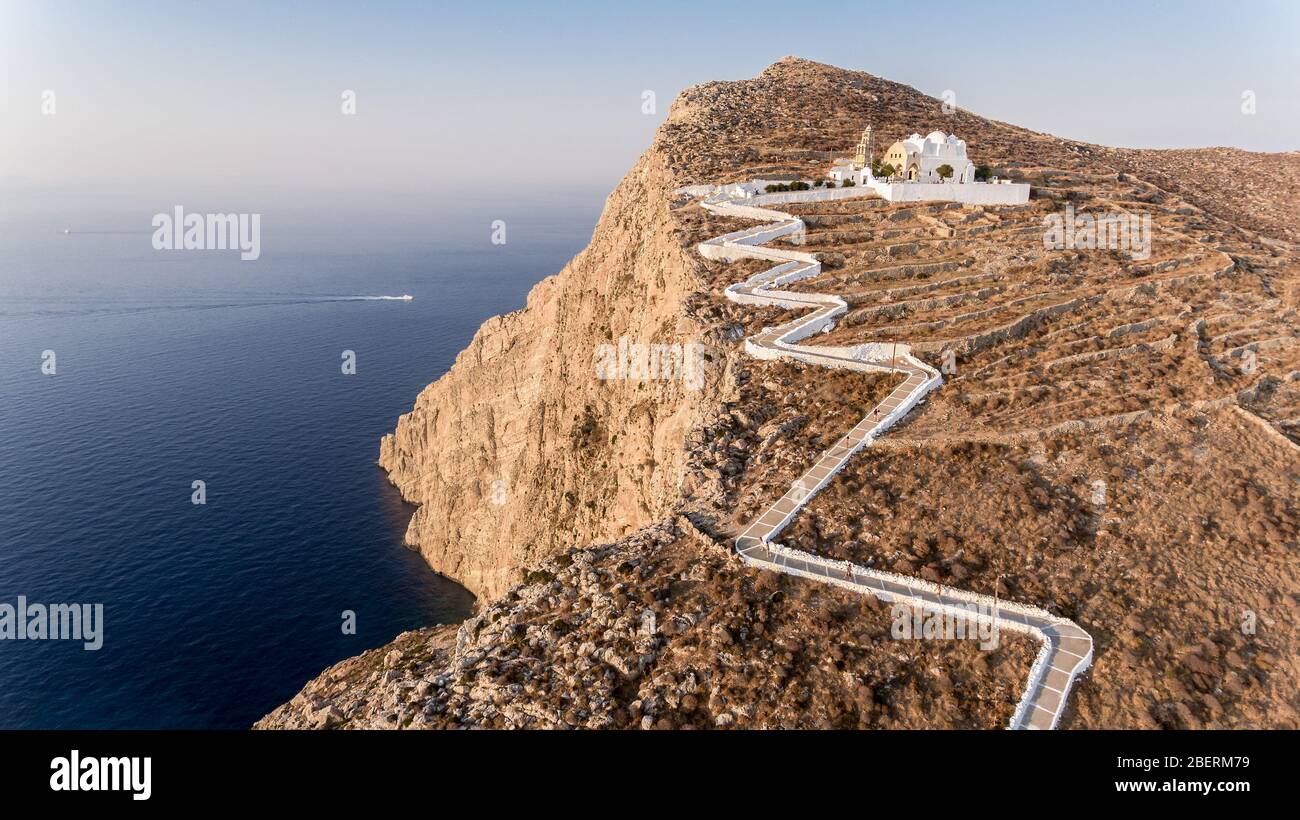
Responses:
[967,193]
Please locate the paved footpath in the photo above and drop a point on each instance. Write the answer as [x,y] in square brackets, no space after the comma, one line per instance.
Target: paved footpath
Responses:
[1066,649]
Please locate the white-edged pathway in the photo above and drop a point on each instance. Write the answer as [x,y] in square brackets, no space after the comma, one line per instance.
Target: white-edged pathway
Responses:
[1066,649]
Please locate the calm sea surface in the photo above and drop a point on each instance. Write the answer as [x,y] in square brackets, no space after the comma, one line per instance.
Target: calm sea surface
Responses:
[181,366]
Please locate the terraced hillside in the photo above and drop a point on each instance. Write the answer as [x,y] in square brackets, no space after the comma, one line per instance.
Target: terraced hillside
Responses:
[1116,435]
[1039,337]
[1115,442]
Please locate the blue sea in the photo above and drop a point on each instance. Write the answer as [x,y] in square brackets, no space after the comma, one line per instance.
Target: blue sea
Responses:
[177,366]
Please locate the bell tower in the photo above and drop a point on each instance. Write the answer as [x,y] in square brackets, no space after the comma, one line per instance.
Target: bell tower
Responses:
[863,157]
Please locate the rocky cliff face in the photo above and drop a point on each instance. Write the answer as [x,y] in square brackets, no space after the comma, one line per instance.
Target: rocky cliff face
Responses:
[1102,451]
[522,445]
[521,448]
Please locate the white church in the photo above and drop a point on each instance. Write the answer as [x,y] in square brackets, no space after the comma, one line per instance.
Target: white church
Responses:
[930,168]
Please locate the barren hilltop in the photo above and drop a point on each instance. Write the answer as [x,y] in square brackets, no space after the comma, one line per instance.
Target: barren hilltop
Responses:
[1118,444]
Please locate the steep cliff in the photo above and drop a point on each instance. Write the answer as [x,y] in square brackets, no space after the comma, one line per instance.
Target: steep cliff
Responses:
[523,444]
[1116,445]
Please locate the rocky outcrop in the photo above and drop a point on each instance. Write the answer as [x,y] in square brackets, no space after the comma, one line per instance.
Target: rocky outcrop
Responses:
[645,633]
[521,447]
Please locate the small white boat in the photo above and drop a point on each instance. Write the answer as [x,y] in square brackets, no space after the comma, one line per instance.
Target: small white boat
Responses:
[406,297]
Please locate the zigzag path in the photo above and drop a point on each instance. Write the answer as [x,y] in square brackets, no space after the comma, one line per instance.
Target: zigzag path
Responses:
[1066,648]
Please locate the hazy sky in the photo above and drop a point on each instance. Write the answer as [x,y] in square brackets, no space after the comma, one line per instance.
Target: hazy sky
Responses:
[243,96]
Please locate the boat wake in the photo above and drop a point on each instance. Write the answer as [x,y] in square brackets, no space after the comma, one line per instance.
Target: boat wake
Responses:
[110,306]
